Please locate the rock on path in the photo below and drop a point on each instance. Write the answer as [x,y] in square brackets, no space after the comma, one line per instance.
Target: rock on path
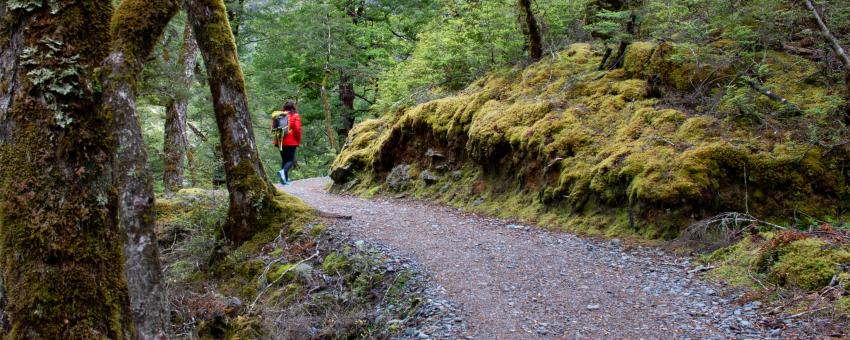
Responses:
[516,282]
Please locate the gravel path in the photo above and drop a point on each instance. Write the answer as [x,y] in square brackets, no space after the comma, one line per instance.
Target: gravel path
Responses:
[515,282]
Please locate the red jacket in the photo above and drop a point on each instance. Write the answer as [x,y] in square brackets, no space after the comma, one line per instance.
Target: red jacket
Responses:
[293,138]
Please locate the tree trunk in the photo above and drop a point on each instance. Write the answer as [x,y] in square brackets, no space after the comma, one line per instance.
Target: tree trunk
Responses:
[133,41]
[327,106]
[251,194]
[176,143]
[346,96]
[60,242]
[190,155]
[324,88]
[534,40]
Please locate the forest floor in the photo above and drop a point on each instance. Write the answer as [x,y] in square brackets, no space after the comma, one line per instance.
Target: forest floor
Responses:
[511,281]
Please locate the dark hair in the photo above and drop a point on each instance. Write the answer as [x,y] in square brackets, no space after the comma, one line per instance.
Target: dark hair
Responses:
[289,106]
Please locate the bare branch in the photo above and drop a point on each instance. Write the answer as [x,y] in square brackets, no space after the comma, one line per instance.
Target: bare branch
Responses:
[836,45]
[770,94]
[197,132]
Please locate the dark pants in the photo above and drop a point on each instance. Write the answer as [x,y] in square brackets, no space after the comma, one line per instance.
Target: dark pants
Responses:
[287,156]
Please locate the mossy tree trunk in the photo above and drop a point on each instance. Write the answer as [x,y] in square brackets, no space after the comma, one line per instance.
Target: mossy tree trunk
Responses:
[136,27]
[251,194]
[60,242]
[176,144]
[533,38]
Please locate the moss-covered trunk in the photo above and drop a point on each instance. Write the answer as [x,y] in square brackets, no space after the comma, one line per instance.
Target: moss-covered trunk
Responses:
[136,26]
[176,143]
[62,260]
[534,40]
[251,194]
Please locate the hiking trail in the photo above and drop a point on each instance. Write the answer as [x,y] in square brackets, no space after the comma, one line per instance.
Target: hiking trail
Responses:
[512,281]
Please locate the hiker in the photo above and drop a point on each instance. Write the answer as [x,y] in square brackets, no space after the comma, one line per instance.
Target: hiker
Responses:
[286,127]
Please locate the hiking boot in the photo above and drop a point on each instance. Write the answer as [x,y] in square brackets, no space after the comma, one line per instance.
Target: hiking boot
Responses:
[282,175]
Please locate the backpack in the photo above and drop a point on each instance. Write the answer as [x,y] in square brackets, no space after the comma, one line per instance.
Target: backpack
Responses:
[281,123]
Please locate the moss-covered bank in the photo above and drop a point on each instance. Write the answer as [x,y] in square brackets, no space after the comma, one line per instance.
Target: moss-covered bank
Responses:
[677,135]
[294,280]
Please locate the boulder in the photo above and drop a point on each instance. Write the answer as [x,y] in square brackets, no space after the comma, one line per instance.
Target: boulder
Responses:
[399,177]
[340,174]
[428,177]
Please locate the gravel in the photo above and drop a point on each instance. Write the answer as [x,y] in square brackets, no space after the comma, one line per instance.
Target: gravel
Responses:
[492,279]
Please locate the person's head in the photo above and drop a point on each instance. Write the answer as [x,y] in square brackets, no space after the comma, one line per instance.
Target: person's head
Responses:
[289,106]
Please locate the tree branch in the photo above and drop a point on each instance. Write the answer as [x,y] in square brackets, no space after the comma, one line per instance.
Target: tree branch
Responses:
[770,94]
[836,45]
[197,132]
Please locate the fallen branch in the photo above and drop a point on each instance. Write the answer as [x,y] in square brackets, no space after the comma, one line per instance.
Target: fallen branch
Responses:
[807,52]
[701,269]
[836,45]
[770,94]
[807,312]
[326,214]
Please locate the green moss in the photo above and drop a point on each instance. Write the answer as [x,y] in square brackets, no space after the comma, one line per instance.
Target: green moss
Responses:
[365,282]
[736,264]
[318,230]
[808,263]
[335,263]
[788,259]
[637,58]
[842,306]
[250,269]
[61,280]
[137,25]
[283,272]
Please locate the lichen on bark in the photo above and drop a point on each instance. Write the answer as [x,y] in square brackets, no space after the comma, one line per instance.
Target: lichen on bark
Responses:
[60,244]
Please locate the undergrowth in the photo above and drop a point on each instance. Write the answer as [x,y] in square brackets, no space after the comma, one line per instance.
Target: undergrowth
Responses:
[291,282]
